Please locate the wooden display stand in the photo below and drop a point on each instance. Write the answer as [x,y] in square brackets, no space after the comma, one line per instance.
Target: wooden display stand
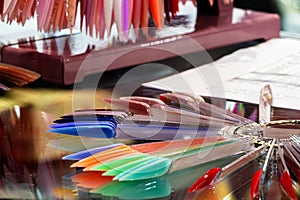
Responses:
[217,26]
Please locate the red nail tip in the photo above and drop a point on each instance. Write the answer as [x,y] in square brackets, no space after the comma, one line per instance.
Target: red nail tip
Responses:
[255,184]
[205,180]
[172,98]
[287,185]
[135,107]
[150,101]
[163,98]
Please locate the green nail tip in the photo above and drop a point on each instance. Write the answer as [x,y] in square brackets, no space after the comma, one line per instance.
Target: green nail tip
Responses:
[118,162]
[152,169]
[118,170]
[135,167]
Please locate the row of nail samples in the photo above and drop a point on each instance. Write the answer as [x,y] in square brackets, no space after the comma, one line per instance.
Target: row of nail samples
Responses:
[102,169]
[101,15]
[279,173]
[15,76]
[17,10]
[174,115]
[98,15]
[51,14]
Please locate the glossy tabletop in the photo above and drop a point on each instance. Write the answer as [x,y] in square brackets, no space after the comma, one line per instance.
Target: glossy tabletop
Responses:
[31,165]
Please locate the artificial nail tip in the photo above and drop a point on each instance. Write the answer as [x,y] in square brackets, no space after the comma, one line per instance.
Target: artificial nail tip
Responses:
[205,180]
[287,185]
[255,184]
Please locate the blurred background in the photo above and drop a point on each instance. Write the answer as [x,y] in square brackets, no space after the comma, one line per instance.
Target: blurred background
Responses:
[289,11]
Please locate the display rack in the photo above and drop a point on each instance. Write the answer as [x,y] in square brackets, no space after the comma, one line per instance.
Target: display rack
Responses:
[69,59]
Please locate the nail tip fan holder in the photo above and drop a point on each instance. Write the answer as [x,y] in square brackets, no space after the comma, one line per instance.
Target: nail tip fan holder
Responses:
[64,66]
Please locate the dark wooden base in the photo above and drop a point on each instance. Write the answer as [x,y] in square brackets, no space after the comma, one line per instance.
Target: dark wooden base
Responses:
[79,57]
